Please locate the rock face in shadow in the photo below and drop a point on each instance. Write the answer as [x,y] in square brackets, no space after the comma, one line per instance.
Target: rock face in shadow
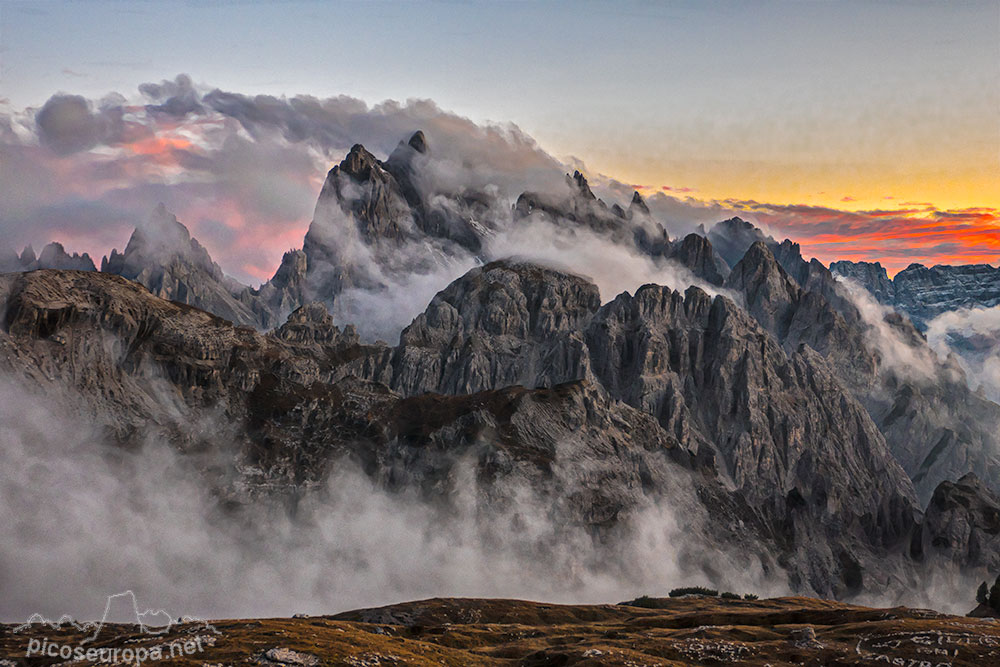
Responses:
[962,525]
[503,324]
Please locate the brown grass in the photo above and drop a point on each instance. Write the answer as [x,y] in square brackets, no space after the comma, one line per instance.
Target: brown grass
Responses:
[701,631]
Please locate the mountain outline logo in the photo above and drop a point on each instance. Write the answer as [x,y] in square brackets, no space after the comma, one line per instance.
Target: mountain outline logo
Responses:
[143,619]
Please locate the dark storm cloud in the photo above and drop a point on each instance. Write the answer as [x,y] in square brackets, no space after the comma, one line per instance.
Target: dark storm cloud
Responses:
[67,124]
[176,98]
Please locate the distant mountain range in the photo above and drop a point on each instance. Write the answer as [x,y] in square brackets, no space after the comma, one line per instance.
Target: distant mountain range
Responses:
[923,292]
[829,444]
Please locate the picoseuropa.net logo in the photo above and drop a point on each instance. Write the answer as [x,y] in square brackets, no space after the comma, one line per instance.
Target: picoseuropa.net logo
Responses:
[151,623]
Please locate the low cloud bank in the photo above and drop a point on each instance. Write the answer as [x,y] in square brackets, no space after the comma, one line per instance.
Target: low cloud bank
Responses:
[973,335]
[80,520]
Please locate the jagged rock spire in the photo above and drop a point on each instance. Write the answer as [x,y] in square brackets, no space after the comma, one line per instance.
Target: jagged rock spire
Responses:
[638,203]
[418,142]
[579,182]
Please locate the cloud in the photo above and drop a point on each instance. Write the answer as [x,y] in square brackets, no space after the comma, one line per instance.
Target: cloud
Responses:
[243,172]
[67,124]
[897,353]
[81,519]
[176,98]
[973,335]
[613,267]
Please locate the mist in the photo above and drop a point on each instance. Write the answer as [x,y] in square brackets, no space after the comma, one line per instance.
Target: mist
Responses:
[613,267]
[973,336]
[897,353]
[81,520]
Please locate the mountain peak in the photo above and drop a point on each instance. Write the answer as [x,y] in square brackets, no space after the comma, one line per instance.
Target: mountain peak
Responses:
[28,255]
[579,183]
[638,203]
[418,142]
[758,266]
[733,237]
[758,252]
[359,163]
[162,231]
[54,256]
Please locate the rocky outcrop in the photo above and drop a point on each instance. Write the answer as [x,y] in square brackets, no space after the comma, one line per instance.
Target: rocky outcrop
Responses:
[923,293]
[696,253]
[870,275]
[961,525]
[800,317]
[503,324]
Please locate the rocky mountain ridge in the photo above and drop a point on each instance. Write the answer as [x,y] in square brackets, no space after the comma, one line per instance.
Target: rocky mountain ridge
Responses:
[779,413]
[937,427]
[924,292]
[660,394]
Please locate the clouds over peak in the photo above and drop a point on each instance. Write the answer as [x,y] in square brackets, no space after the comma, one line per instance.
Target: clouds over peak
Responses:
[243,172]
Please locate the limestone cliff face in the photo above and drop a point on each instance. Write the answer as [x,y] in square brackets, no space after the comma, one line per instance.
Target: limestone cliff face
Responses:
[659,394]
[871,275]
[503,324]
[962,525]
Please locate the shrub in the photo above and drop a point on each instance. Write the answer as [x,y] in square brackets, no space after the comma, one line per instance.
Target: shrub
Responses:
[750,596]
[729,596]
[694,590]
[644,601]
